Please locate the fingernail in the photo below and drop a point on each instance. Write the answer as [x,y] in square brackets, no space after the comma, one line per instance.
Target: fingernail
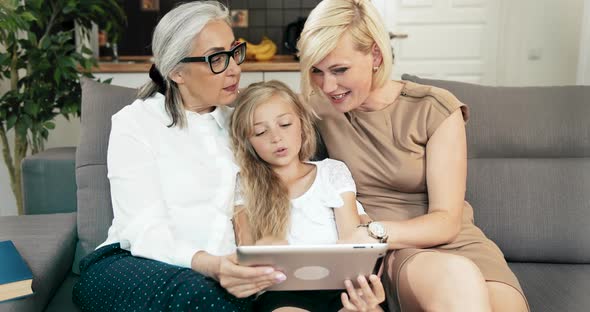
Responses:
[280,277]
[268,270]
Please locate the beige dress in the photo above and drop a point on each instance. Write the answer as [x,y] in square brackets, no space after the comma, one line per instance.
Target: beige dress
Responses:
[385,151]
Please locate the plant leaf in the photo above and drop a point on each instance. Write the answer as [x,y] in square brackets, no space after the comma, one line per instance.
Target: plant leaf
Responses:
[49,125]
[10,122]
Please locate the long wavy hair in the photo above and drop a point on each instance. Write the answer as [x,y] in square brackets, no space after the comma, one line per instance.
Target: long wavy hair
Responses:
[266,197]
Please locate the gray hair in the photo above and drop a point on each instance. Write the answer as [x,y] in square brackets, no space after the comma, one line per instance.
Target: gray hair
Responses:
[172,41]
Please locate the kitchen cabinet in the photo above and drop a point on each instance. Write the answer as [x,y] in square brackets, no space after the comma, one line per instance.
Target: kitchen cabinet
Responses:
[289,78]
[131,71]
[130,80]
[247,78]
[292,79]
[136,80]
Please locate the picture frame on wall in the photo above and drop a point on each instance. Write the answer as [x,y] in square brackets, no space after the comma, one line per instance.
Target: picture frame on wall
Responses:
[150,5]
[239,18]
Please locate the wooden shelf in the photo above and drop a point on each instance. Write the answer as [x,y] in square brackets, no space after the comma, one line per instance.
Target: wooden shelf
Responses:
[142,64]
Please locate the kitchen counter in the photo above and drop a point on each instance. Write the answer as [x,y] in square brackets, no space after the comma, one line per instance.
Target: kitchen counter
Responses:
[142,64]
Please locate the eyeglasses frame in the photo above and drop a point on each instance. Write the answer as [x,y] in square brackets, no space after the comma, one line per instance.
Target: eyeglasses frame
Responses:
[207,58]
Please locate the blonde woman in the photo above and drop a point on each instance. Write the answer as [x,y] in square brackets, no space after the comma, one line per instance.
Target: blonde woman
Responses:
[282,197]
[406,148]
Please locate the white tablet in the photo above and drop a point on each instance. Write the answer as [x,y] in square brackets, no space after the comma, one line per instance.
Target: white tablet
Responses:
[311,267]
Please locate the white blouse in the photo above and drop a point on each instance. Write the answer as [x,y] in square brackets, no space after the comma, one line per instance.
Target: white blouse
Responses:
[172,189]
[312,219]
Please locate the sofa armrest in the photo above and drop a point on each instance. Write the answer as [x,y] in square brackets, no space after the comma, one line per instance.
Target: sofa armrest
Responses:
[47,244]
[49,181]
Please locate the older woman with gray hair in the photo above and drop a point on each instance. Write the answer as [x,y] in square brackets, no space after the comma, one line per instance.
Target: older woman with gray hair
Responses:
[172,176]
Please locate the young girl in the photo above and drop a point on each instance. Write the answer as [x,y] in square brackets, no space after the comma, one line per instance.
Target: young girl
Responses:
[282,197]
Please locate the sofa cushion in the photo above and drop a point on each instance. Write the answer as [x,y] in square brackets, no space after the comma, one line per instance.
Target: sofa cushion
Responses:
[523,121]
[62,301]
[95,214]
[555,287]
[535,209]
[529,167]
[48,173]
[46,243]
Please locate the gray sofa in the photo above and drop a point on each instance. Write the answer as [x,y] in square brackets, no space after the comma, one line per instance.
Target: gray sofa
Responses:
[528,181]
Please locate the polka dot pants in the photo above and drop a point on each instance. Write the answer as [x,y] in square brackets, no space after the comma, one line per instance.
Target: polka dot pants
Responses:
[114,280]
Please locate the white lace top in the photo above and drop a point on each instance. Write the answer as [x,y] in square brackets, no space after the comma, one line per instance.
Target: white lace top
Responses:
[312,214]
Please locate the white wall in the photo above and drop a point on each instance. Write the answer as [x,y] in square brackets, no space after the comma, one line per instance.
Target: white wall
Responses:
[539,42]
[7,202]
[584,55]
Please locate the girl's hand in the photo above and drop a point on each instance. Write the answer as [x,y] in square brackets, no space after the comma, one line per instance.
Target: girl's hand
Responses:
[271,240]
[240,281]
[366,298]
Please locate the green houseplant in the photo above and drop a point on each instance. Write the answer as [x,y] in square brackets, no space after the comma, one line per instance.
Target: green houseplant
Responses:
[43,65]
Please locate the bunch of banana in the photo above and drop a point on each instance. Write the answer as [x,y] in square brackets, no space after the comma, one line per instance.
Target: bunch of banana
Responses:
[263,51]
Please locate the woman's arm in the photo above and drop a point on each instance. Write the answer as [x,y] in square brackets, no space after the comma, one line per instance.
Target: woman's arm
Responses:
[365,218]
[242,227]
[446,175]
[347,217]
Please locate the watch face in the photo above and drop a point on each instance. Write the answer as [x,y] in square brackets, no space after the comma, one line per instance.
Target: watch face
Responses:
[377,229]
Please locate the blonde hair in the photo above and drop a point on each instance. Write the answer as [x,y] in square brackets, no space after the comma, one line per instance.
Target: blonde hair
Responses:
[328,22]
[172,41]
[266,197]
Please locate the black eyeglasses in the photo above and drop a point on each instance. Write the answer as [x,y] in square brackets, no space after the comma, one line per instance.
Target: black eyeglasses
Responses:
[219,61]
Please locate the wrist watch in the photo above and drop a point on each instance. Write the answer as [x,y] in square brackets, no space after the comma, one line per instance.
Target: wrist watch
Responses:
[376,230]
